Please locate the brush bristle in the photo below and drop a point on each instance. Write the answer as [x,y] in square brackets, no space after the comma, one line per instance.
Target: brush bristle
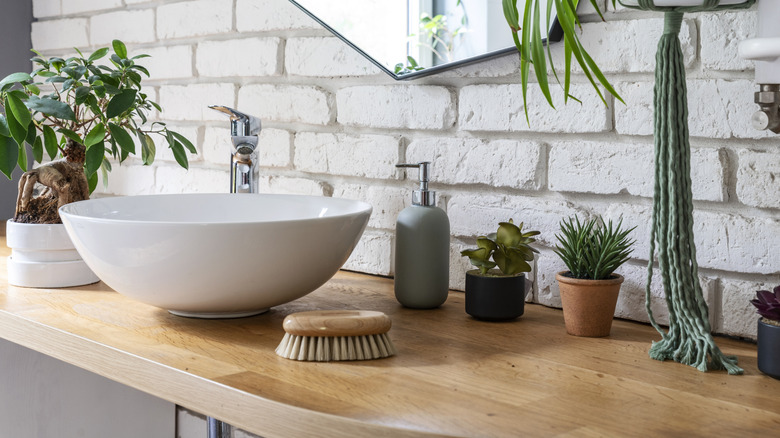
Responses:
[326,349]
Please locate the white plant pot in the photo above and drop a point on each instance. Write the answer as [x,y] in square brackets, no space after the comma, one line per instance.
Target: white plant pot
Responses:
[42,255]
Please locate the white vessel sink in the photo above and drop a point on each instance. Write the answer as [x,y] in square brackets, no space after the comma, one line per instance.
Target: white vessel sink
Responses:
[215,255]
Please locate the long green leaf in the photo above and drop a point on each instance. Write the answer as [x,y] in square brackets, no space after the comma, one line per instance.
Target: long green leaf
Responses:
[15,77]
[180,155]
[120,103]
[123,139]
[37,149]
[51,107]
[537,49]
[94,158]
[8,155]
[50,142]
[183,140]
[97,54]
[17,131]
[96,135]
[4,131]
[71,135]
[119,48]
[19,110]
[22,158]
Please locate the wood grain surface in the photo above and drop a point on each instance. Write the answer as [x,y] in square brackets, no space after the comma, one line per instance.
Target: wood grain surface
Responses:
[453,375]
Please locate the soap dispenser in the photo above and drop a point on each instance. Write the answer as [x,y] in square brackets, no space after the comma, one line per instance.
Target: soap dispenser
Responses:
[422,248]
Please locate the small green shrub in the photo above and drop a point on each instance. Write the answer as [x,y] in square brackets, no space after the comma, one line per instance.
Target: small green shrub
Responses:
[592,249]
[509,248]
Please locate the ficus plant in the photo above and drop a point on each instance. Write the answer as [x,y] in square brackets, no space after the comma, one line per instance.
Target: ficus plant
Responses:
[80,114]
[529,28]
[508,249]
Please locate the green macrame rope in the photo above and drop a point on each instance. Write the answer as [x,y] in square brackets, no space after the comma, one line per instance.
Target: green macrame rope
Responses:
[689,339]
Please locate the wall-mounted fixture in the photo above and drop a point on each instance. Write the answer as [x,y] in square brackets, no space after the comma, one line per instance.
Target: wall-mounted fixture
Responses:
[416,38]
[765,51]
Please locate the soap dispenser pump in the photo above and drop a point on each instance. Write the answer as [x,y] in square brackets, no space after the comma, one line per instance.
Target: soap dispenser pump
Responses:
[422,248]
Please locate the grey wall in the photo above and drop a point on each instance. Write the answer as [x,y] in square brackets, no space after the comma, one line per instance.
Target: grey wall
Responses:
[14,56]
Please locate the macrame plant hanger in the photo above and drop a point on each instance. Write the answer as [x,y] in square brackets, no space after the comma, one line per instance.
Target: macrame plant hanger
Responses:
[689,339]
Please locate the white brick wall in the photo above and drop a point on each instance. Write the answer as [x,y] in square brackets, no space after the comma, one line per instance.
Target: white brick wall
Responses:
[335,126]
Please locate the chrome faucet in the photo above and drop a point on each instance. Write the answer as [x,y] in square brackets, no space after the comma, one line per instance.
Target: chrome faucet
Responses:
[243,156]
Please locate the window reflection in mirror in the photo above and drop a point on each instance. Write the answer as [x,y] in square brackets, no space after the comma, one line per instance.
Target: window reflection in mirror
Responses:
[413,38]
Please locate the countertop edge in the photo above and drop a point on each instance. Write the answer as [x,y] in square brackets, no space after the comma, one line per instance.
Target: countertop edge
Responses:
[234,406]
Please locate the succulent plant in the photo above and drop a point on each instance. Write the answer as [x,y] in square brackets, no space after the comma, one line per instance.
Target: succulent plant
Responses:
[768,303]
[509,248]
[592,249]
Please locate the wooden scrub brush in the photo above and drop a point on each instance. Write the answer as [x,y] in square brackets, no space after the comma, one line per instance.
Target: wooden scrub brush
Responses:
[329,335]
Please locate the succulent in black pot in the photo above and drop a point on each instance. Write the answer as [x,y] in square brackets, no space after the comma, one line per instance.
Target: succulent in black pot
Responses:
[499,294]
[768,306]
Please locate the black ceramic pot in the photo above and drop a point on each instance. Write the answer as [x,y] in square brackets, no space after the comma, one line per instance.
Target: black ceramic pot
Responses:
[769,349]
[494,298]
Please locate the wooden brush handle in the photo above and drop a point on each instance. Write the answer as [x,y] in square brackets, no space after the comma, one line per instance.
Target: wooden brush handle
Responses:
[337,323]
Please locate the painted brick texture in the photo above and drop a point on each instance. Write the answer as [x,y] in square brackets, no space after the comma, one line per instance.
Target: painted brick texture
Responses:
[336,126]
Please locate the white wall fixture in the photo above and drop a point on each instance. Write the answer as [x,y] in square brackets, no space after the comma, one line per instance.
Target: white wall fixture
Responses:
[765,51]
[42,255]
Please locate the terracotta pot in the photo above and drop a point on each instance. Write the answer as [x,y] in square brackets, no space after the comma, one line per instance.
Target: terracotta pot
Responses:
[588,305]
[769,349]
[495,298]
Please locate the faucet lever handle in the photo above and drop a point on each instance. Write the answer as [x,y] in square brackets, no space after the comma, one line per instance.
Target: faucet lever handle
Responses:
[240,124]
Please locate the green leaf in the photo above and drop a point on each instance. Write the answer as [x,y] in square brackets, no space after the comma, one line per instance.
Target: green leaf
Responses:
[21,113]
[94,158]
[96,135]
[8,155]
[92,181]
[120,103]
[183,140]
[4,132]
[52,107]
[37,149]
[22,158]
[71,135]
[15,77]
[97,54]
[32,132]
[50,142]
[18,133]
[119,48]
[148,149]
[122,138]
[180,155]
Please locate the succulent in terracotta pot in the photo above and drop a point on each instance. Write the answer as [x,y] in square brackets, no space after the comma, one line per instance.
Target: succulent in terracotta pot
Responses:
[592,251]
[768,306]
[499,294]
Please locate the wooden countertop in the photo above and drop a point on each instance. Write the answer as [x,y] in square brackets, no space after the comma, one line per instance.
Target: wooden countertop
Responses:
[452,376]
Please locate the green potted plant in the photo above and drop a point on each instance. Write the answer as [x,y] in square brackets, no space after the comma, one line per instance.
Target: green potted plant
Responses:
[499,294]
[79,113]
[768,306]
[592,251]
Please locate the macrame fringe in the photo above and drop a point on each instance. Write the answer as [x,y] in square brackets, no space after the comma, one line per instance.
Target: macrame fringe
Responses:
[688,340]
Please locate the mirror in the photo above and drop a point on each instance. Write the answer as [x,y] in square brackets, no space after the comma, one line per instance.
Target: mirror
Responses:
[415,38]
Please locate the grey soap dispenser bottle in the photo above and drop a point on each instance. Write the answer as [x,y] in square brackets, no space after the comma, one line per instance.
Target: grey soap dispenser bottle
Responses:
[422,248]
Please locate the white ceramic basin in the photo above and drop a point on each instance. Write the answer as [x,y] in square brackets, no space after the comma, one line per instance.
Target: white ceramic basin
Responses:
[215,255]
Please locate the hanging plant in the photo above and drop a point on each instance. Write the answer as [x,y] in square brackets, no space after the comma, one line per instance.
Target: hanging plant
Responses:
[529,36]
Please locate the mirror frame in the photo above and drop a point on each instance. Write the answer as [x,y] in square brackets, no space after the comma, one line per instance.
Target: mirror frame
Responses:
[555,34]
